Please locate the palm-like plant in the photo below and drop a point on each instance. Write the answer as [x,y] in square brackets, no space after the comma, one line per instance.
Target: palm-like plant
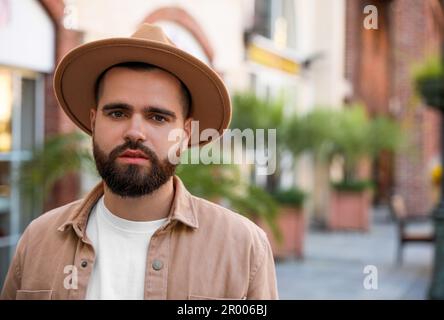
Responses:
[224,183]
[253,112]
[357,136]
[311,132]
[347,132]
[59,155]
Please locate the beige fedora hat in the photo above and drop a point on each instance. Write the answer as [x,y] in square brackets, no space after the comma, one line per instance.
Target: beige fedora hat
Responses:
[77,73]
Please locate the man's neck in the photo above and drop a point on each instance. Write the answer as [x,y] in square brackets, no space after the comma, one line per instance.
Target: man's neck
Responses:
[150,207]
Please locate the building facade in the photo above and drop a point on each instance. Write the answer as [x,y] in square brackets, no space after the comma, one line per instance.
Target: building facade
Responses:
[379,65]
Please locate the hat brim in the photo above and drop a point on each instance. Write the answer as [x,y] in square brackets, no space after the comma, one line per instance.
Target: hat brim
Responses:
[76,75]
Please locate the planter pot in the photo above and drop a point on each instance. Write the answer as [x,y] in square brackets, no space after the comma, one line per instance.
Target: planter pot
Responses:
[349,210]
[291,223]
[432,91]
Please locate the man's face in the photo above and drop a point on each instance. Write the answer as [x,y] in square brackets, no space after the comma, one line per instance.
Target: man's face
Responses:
[136,111]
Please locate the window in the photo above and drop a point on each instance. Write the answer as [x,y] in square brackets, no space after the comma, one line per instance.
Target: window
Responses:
[276,20]
[262,17]
[21,129]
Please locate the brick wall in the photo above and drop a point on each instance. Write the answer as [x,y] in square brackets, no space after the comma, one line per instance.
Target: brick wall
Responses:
[411,32]
[67,189]
[412,40]
[352,43]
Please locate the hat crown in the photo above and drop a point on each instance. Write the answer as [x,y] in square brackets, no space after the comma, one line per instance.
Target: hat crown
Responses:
[153,33]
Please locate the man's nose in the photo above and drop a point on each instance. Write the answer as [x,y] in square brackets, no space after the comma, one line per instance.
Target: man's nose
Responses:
[135,130]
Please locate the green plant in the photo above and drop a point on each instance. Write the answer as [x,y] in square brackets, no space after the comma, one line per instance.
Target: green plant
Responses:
[224,182]
[432,67]
[384,135]
[311,132]
[347,132]
[208,181]
[251,112]
[293,197]
[353,186]
[429,81]
[357,136]
[59,155]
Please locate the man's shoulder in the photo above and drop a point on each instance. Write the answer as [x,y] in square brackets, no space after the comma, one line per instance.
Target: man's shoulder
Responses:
[210,213]
[54,218]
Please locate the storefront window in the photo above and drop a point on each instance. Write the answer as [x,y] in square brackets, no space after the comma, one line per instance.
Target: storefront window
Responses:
[22,66]
[5,148]
[20,124]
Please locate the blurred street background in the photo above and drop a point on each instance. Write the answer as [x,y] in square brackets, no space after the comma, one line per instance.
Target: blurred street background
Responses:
[353,88]
[334,269]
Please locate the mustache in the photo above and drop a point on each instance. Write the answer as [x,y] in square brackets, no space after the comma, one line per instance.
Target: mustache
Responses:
[132,145]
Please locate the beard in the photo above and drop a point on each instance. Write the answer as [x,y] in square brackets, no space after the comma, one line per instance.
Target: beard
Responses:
[132,180]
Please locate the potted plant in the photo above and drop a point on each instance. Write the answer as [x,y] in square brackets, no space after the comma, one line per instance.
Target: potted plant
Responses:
[357,138]
[346,134]
[311,134]
[291,223]
[429,81]
[251,112]
[350,205]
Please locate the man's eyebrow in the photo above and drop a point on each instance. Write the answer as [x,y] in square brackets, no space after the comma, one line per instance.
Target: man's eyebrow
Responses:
[117,105]
[125,106]
[160,110]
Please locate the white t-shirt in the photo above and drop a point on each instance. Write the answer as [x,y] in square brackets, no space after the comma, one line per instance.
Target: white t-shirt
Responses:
[121,248]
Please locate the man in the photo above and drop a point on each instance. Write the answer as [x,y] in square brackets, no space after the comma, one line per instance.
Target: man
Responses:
[139,234]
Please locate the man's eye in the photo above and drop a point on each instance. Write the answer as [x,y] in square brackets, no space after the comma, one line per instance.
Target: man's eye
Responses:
[159,118]
[116,114]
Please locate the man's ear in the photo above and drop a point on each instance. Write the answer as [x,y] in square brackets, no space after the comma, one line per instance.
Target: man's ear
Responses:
[187,129]
[92,118]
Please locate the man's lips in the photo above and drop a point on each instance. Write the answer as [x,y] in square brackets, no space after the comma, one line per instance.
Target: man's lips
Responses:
[133,156]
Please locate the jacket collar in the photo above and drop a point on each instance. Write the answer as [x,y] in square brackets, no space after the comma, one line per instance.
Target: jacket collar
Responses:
[182,209]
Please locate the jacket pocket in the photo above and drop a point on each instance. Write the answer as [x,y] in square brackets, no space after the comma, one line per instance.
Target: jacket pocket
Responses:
[197,297]
[34,294]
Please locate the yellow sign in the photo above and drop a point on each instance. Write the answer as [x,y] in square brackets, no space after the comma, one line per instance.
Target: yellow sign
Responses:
[271,59]
[5,110]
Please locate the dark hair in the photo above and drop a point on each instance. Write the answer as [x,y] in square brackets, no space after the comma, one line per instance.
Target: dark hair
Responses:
[141,66]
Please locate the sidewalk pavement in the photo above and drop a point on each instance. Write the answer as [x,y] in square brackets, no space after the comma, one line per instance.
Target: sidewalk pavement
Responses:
[334,262]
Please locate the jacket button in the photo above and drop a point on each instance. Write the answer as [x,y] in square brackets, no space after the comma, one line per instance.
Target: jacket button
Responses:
[84,263]
[157,265]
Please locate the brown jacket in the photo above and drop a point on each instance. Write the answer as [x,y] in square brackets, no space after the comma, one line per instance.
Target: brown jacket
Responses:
[204,252]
